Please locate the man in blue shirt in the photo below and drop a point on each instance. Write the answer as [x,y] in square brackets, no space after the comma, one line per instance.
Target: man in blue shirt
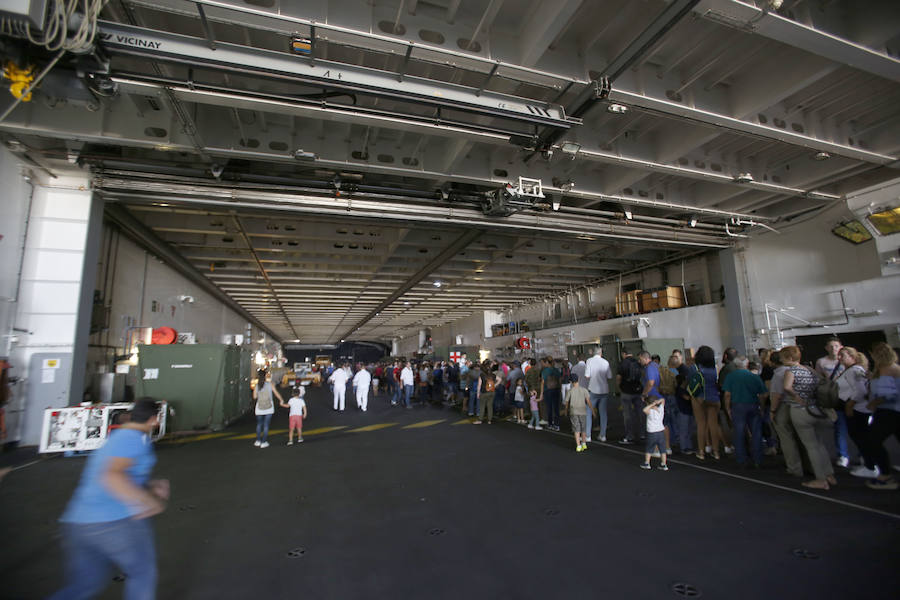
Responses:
[743,391]
[107,520]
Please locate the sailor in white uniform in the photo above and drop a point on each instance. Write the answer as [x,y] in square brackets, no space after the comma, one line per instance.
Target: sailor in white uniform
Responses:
[338,379]
[361,382]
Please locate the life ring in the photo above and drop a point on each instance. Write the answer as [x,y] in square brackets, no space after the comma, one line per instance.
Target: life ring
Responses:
[163,335]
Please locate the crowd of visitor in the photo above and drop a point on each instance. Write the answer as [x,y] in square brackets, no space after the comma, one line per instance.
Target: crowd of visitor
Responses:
[746,407]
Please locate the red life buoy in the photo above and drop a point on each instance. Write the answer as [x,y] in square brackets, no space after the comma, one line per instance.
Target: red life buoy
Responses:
[523,343]
[163,335]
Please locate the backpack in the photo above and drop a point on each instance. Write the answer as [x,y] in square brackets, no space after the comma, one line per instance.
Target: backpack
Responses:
[489,383]
[631,376]
[666,381]
[696,385]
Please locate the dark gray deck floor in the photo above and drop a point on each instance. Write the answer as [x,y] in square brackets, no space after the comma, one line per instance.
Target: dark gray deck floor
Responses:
[462,511]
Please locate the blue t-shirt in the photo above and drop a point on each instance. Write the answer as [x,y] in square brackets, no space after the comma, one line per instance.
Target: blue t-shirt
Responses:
[744,386]
[92,501]
[651,373]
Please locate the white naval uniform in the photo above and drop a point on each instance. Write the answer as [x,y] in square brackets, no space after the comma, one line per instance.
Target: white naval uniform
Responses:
[339,381]
[361,381]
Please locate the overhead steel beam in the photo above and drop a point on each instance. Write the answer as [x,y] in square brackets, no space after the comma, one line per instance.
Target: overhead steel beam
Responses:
[117,38]
[146,238]
[449,252]
[406,212]
[750,18]
[639,46]
[669,108]
[314,110]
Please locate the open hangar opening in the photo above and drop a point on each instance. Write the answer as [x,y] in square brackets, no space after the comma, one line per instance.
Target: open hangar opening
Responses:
[419,175]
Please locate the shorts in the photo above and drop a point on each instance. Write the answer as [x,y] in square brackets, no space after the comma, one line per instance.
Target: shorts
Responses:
[295,422]
[579,423]
[520,404]
[656,439]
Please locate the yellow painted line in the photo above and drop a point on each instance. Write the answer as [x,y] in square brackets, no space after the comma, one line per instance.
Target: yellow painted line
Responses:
[424,424]
[464,421]
[207,436]
[375,427]
[251,436]
[323,430]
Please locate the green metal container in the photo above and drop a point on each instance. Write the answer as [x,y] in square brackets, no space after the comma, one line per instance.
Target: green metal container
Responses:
[207,385]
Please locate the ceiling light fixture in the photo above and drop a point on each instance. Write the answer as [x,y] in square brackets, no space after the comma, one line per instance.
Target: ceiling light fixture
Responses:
[437,283]
[617,109]
[693,222]
[628,214]
[821,156]
[301,154]
[570,148]
[743,178]
[556,201]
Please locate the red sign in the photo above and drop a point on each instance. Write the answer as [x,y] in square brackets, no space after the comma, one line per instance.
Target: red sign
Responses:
[456,356]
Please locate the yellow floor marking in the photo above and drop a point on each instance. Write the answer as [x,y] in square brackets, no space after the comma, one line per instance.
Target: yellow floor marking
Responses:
[424,424]
[373,427]
[251,436]
[199,438]
[323,430]
[464,421]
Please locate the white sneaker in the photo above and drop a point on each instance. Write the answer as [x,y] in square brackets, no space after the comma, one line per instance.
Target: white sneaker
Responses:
[256,443]
[669,451]
[843,461]
[538,428]
[264,445]
[290,443]
[862,471]
[602,438]
[729,449]
[655,454]
[543,422]
[530,426]
[587,439]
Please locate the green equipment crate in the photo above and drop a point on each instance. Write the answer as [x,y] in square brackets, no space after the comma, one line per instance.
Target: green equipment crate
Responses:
[206,385]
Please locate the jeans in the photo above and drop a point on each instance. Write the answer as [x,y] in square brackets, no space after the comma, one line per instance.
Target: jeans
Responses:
[395,394]
[407,395]
[841,434]
[262,427]
[552,399]
[473,400]
[670,419]
[631,413]
[91,549]
[598,401]
[685,422]
[535,418]
[746,415]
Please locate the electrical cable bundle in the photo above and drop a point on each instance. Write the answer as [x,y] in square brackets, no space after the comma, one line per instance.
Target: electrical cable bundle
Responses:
[56,36]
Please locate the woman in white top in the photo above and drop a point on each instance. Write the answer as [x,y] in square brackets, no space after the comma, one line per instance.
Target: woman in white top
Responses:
[853,387]
[265,406]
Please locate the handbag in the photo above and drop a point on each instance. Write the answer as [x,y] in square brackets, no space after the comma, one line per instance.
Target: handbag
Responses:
[827,392]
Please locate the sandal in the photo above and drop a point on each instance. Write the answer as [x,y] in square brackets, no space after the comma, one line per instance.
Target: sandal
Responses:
[700,456]
[716,456]
[816,485]
[831,480]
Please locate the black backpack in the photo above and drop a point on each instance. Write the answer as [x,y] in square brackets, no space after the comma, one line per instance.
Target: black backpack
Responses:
[631,376]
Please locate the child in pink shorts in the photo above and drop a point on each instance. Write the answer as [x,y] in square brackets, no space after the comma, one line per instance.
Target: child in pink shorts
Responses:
[297,414]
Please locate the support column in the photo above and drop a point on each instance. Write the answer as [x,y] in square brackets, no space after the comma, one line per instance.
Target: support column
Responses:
[732,266]
[55,285]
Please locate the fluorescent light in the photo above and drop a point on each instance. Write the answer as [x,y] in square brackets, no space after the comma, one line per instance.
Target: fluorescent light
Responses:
[437,283]
[570,147]
[617,109]
[628,214]
[693,222]
[821,156]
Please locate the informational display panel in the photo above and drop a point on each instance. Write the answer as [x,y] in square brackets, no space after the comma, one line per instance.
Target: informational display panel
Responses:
[80,428]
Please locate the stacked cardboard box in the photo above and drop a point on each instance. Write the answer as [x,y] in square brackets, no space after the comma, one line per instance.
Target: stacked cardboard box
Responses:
[664,297]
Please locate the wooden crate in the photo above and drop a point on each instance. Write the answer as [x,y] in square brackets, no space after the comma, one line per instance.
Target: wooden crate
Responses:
[629,303]
[664,297]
